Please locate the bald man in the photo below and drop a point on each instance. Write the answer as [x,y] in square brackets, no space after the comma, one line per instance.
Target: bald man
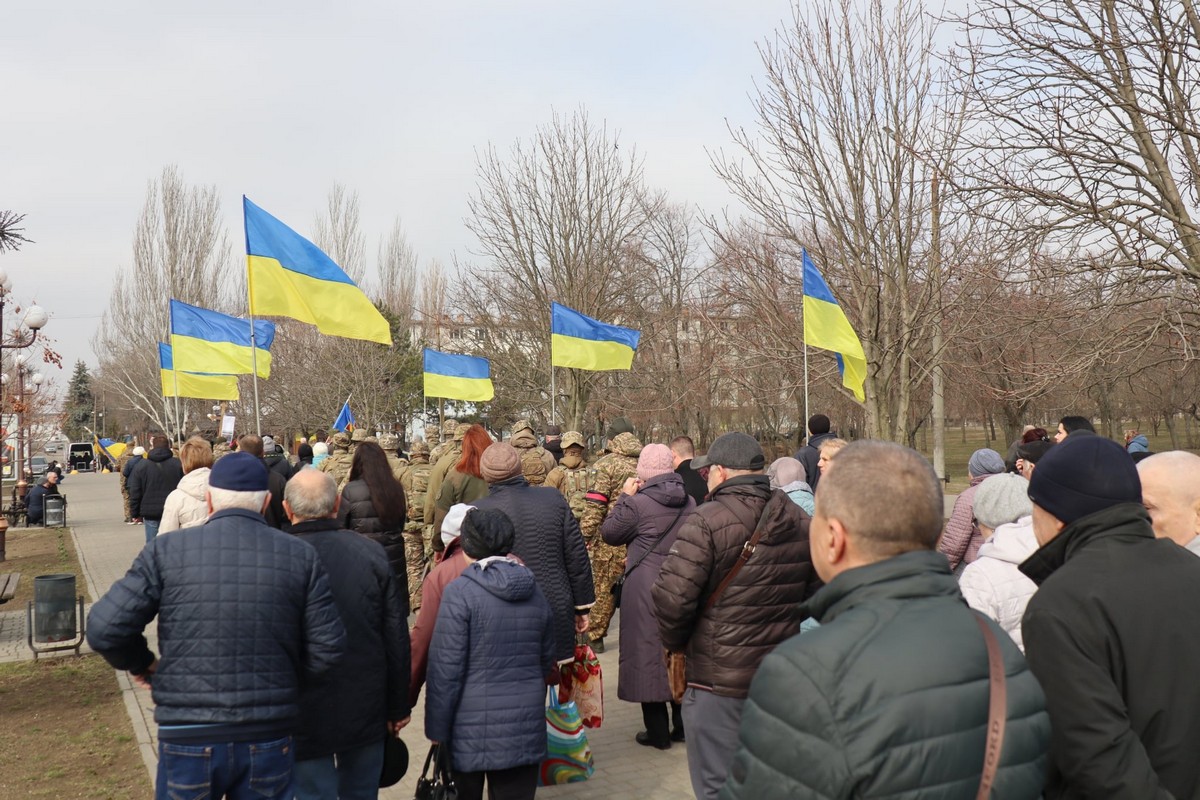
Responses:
[1171,493]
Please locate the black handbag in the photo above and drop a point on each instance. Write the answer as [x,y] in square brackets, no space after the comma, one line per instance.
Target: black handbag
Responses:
[437,784]
[619,584]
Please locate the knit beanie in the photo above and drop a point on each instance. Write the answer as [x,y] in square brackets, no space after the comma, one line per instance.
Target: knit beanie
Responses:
[499,462]
[985,462]
[1084,475]
[486,533]
[654,460]
[1001,499]
[452,524]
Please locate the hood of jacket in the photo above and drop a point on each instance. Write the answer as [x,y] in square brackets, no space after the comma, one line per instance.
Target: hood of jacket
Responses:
[507,580]
[796,486]
[572,461]
[918,573]
[625,444]
[160,454]
[666,490]
[523,439]
[1012,542]
[195,483]
[815,441]
[1138,444]
[1128,520]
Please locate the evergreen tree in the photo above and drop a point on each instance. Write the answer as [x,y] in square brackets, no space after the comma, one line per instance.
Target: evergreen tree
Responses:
[80,405]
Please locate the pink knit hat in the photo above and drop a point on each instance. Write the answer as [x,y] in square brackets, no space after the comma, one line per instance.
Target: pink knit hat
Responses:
[655,460]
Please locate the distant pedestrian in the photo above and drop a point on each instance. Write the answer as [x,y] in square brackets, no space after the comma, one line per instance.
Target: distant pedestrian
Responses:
[890,696]
[345,715]
[276,481]
[187,505]
[826,452]
[810,454]
[573,475]
[1073,425]
[552,441]
[304,453]
[320,453]
[35,501]
[1171,494]
[373,504]
[151,481]
[464,483]
[226,687]
[683,451]
[492,717]
[787,475]
[962,538]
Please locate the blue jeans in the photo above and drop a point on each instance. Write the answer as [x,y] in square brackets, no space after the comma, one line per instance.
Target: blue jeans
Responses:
[235,770]
[151,526]
[354,776]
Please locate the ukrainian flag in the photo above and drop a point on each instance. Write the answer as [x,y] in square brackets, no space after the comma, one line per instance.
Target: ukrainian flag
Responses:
[289,276]
[193,384]
[458,377]
[581,342]
[210,342]
[826,327]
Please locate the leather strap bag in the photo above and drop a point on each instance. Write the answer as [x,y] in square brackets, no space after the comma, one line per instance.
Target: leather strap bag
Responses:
[997,710]
[747,551]
[619,585]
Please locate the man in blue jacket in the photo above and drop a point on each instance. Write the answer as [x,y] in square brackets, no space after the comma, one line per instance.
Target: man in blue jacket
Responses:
[345,715]
[245,615]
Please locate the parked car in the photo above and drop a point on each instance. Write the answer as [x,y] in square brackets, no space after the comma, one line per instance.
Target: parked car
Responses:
[51,447]
[38,466]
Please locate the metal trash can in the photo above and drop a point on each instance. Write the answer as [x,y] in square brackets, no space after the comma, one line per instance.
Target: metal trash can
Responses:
[54,617]
[54,511]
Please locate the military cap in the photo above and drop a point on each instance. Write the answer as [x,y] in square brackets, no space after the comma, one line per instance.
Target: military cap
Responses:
[340,439]
[522,425]
[360,435]
[572,437]
[389,441]
[420,449]
[460,431]
[449,426]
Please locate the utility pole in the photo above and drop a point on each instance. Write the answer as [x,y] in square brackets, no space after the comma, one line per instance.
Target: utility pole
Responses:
[939,377]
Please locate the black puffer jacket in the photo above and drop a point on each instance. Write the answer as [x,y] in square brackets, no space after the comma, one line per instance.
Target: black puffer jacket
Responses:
[759,609]
[349,707]
[155,477]
[357,513]
[244,615]
[1111,635]
[888,698]
[549,542]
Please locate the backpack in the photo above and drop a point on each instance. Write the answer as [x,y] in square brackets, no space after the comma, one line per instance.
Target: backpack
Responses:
[418,488]
[575,485]
[532,466]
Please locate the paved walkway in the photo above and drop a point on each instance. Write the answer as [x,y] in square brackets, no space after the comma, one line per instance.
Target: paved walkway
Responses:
[624,769]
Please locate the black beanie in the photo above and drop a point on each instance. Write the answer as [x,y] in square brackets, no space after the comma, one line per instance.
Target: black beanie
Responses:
[487,533]
[1084,475]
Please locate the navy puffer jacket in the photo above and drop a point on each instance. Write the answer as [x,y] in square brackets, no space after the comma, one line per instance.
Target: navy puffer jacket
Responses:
[244,615]
[493,647]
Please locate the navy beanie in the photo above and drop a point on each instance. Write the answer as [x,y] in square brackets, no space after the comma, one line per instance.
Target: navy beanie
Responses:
[1083,475]
[240,472]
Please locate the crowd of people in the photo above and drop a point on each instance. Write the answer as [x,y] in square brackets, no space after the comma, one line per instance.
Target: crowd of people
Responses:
[810,626]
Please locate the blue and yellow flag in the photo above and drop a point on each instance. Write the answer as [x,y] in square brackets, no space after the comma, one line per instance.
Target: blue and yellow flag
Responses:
[826,327]
[217,344]
[345,418]
[205,386]
[458,377]
[581,342]
[289,276]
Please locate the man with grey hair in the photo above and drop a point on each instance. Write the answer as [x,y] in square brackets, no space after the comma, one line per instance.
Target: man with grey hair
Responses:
[1171,493]
[227,684]
[345,715]
[898,673]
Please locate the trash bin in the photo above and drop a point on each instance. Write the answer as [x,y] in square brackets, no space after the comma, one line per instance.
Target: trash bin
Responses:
[54,617]
[54,511]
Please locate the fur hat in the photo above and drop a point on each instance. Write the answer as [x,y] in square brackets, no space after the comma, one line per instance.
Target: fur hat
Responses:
[499,462]
[654,460]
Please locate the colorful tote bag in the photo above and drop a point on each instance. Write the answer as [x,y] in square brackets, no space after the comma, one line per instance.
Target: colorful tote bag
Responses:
[568,756]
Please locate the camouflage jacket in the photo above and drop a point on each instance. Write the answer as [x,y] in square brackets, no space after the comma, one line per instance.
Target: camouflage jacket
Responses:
[441,467]
[338,465]
[609,473]
[416,488]
[572,478]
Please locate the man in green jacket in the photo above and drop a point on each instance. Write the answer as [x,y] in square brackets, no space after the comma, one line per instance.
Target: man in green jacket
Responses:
[890,696]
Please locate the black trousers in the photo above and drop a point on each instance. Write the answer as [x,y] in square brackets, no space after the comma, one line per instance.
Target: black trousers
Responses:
[658,725]
[515,783]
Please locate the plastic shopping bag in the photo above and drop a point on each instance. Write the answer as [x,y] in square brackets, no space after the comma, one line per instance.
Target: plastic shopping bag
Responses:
[583,683]
[568,755]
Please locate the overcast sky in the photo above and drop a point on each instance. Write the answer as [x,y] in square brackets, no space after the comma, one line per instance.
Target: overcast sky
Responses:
[282,100]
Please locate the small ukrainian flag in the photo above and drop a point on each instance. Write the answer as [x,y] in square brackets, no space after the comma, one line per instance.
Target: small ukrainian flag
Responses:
[458,377]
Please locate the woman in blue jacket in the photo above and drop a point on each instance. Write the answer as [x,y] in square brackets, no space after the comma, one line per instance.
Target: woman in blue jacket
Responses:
[492,655]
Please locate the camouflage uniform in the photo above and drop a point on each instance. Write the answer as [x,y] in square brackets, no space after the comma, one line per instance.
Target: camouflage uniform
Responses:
[536,461]
[441,468]
[121,462]
[221,449]
[357,437]
[390,442]
[338,462]
[417,542]
[572,476]
[448,428]
[609,474]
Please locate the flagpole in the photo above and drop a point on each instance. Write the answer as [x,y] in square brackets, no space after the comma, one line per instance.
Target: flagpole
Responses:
[553,397]
[804,422]
[250,308]
[178,421]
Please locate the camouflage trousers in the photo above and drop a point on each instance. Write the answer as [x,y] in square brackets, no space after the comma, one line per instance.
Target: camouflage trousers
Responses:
[125,500]
[415,562]
[608,563]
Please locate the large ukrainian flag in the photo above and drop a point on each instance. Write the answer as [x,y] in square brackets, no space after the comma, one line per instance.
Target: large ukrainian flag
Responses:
[289,276]
[215,343]
[826,327]
[581,342]
[458,377]
[193,384]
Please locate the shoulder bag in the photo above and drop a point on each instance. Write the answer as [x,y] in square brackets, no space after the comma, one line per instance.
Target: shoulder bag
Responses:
[437,784]
[997,710]
[619,585]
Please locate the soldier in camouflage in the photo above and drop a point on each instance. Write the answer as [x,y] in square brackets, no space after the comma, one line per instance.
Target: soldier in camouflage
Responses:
[536,461]
[338,462]
[357,437]
[572,476]
[125,458]
[390,443]
[447,443]
[221,448]
[442,467]
[608,476]
[418,545]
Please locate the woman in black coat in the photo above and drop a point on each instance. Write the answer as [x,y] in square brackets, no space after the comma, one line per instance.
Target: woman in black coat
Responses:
[652,508]
[373,504]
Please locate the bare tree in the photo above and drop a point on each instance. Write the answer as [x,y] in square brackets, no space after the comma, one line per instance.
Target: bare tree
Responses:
[12,233]
[397,273]
[339,234]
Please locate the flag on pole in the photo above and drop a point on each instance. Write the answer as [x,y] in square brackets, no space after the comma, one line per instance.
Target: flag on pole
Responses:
[110,447]
[458,377]
[289,276]
[205,386]
[581,342]
[826,327]
[217,344]
[345,418]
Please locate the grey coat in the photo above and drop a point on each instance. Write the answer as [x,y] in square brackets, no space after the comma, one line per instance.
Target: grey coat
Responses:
[637,521]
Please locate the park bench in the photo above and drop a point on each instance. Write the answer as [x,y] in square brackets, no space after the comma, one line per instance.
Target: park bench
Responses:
[8,585]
